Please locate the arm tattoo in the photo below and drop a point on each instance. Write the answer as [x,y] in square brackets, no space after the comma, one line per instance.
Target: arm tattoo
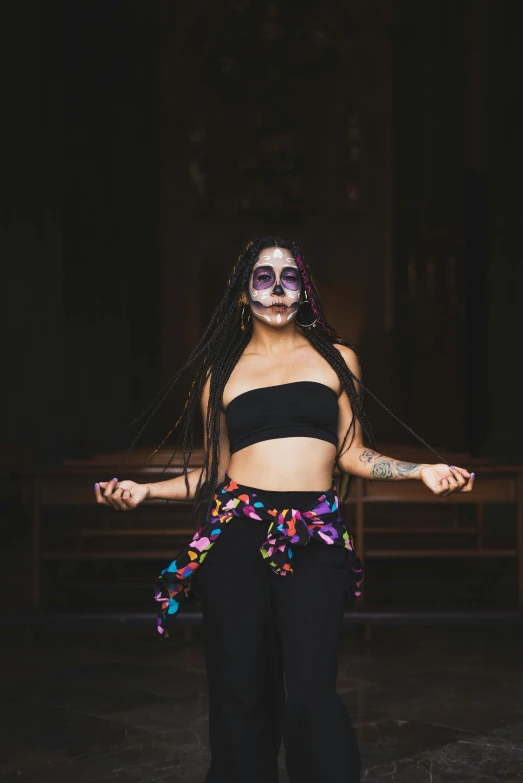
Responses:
[390,469]
[382,469]
[368,455]
[385,468]
[406,468]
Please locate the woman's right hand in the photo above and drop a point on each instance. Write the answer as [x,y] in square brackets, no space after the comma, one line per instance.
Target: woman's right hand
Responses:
[121,495]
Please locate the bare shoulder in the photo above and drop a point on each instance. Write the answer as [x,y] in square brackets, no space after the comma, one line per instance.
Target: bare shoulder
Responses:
[350,357]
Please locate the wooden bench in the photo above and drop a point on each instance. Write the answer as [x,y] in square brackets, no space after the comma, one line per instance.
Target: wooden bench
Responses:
[119,537]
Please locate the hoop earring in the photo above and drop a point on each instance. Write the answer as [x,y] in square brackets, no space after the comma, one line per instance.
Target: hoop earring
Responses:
[307,326]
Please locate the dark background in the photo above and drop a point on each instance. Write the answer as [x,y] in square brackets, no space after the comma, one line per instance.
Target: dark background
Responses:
[146,142]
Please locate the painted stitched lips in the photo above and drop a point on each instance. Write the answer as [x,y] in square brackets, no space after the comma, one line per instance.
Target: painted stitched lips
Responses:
[275,311]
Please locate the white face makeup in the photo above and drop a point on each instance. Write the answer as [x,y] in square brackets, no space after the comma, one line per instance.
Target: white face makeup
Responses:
[275,287]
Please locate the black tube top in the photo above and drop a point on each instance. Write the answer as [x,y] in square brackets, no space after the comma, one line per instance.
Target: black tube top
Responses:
[305,409]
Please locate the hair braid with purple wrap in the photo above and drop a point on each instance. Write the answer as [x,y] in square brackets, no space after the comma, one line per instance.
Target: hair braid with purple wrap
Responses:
[312,297]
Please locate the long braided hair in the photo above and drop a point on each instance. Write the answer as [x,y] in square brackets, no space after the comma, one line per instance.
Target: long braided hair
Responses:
[218,351]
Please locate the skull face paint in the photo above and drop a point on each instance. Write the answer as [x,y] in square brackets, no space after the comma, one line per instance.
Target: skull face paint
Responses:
[275,287]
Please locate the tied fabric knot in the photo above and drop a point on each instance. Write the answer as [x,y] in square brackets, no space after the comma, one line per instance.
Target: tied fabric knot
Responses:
[295,527]
[287,527]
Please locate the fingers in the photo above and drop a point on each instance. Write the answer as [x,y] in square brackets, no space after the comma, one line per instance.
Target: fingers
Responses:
[127,499]
[460,480]
[461,472]
[98,493]
[117,494]
[447,485]
[108,494]
[469,484]
[443,486]
[456,480]
[117,498]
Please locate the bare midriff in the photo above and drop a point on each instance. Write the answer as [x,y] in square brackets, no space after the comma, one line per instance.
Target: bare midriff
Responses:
[280,464]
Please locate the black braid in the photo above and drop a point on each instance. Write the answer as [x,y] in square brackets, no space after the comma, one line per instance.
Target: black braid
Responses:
[219,350]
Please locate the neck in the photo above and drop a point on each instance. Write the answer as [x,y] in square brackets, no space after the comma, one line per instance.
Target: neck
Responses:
[271,340]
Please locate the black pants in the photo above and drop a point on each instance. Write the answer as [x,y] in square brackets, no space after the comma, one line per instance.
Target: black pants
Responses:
[265,634]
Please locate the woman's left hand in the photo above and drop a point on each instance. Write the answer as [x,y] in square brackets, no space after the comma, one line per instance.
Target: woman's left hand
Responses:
[445,479]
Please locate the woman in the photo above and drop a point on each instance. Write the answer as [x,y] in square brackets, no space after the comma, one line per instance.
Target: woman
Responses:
[277,394]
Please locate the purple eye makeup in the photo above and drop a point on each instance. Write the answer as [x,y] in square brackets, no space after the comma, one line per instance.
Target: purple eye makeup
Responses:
[290,279]
[263,277]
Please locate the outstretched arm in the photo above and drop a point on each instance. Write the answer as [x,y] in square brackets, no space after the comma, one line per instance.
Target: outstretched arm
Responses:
[359,460]
[126,495]
[373,465]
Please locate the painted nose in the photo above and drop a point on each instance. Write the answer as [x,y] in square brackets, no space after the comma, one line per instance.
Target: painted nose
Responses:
[278,290]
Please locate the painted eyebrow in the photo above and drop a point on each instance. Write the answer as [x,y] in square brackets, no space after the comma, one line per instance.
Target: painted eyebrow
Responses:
[258,264]
[285,266]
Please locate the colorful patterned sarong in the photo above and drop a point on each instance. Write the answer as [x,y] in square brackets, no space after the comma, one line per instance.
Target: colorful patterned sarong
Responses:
[287,526]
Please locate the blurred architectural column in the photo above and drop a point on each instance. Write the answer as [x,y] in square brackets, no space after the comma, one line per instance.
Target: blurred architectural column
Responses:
[32,230]
[429,89]
[505,229]
[379,336]
[476,220]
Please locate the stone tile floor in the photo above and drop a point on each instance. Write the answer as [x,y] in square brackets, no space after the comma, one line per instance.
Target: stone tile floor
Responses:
[430,705]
